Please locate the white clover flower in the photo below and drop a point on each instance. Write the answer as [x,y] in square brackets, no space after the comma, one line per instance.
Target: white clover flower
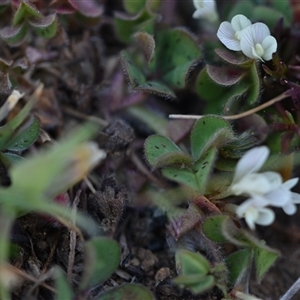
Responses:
[205,9]
[254,212]
[230,34]
[264,189]
[256,42]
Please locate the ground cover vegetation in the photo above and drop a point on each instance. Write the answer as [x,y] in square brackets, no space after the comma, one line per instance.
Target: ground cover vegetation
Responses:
[149,149]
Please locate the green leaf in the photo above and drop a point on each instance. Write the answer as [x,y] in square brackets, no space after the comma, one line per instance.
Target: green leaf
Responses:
[238,263]
[25,11]
[134,7]
[10,158]
[244,7]
[45,27]
[173,159]
[157,88]
[183,176]
[132,72]
[128,291]
[192,263]
[216,95]
[254,82]
[194,269]
[222,229]
[14,36]
[157,145]
[270,16]
[195,283]
[212,228]
[153,120]
[264,258]
[285,7]
[204,168]
[48,173]
[7,131]
[102,257]
[209,131]
[25,136]
[176,54]
[63,289]
[179,75]
[126,26]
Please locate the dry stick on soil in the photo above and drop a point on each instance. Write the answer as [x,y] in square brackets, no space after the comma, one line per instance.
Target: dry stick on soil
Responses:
[39,281]
[238,116]
[73,238]
[50,257]
[80,115]
[31,278]
[292,291]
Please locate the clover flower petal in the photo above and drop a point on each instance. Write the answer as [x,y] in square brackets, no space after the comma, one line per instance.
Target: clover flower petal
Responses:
[264,189]
[256,42]
[231,33]
[251,162]
[205,9]
[253,211]
[256,184]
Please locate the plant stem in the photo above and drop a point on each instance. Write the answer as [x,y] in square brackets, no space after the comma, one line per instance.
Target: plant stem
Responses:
[238,116]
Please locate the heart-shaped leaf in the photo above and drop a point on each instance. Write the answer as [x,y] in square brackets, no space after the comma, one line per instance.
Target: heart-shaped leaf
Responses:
[102,257]
[209,131]
[134,7]
[14,35]
[157,145]
[45,27]
[25,11]
[204,167]
[183,176]
[238,264]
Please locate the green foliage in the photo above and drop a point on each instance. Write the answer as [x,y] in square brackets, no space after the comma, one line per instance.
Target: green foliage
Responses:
[134,7]
[24,136]
[266,14]
[127,26]
[222,229]
[209,136]
[128,291]
[224,87]
[19,133]
[195,271]
[102,257]
[238,264]
[209,131]
[196,274]
[172,56]
[62,287]
[25,17]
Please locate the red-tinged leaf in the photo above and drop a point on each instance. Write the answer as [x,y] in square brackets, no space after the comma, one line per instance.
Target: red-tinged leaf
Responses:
[88,8]
[14,36]
[225,76]
[147,43]
[231,57]
[63,7]
[45,27]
